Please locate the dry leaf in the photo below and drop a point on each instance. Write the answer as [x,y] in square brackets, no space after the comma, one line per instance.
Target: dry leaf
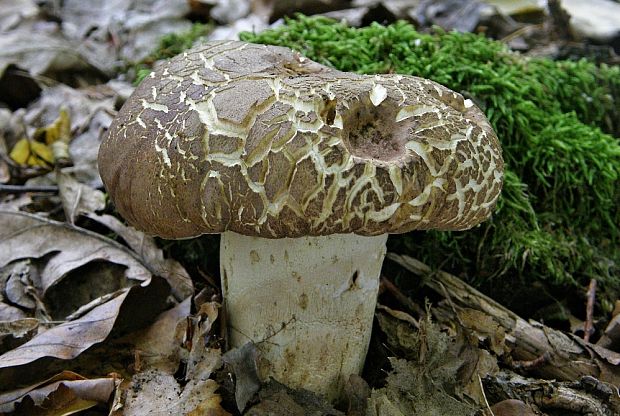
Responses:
[151,255]
[486,327]
[18,328]
[244,364]
[10,313]
[158,393]
[129,310]
[202,361]
[32,153]
[277,399]
[15,280]
[159,345]
[62,391]
[77,198]
[68,340]
[39,52]
[135,26]
[13,12]
[28,236]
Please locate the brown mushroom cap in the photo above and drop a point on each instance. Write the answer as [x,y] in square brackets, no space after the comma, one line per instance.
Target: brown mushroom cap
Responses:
[259,140]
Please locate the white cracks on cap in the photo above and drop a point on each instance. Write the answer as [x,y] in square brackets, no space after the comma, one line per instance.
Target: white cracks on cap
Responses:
[155,106]
[362,151]
[378,94]
[414,111]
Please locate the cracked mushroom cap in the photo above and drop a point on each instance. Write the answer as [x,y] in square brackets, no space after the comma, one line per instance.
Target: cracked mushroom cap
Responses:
[255,139]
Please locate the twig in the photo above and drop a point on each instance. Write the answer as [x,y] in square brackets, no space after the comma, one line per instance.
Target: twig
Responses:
[401,297]
[571,357]
[588,327]
[537,362]
[209,279]
[18,189]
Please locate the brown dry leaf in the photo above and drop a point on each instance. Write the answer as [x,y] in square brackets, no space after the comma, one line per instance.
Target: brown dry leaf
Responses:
[69,339]
[10,313]
[159,345]
[244,364]
[135,26]
[202,361]
[158,393]
[77,198]
[151,255]
[403,316]
[484,326]
[29,236]
[39,52]
[277,399]
[60,402]
[13,12]
[437,376]
[129,309]
[16,279]
[16,332]
[18,328]
[64,391]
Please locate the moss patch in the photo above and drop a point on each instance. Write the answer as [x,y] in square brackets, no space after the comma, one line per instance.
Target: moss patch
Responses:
[170,45]
[558,218]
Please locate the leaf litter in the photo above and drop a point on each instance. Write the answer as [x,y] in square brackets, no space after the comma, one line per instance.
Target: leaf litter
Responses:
[78,286]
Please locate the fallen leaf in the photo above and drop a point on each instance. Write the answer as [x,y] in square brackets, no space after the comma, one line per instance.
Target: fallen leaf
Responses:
[158,393]
[60,402]
[129,310]
[486,327]
[229,11]
[151,255]
[68,340]
[15,280]
[39,52]
[202,360]
[77,198]
[597,19]
[62,391]
[512,407]
[277,399]
[159,345]
[69,247]
[18,328]
[135,27]
[32,153]
[437,373]
[16,332]
[244,364]
[13,12]
[10,313]
[459,15]
[513,7]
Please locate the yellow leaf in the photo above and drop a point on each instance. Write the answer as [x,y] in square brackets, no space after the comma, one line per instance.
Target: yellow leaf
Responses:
[31,153]
[20,152]
[58,130]
[42,152]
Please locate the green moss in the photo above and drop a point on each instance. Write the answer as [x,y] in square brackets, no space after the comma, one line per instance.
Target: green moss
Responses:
[558,218]
[170,45]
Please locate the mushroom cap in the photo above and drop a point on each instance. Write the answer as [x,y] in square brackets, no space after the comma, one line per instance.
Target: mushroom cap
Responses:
[255,139]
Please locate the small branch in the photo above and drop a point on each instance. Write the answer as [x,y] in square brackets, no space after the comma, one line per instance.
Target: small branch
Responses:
[401,297]
[588,327]
[538,362]
[570,357]
[19,189]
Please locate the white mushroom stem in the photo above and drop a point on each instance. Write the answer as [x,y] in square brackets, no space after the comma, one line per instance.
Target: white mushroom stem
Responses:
[307,303]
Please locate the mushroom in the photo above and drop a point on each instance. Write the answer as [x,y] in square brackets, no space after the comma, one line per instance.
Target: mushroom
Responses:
[304,170]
